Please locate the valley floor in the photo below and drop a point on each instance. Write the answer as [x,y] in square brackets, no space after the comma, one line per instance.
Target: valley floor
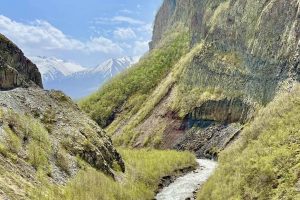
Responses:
[144,170]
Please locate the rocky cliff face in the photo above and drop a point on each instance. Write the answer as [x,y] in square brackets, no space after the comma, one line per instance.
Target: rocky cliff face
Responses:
[43,134]
[263,36]
[15,69]
[265,33]
[254,47]
[242,54]
[264,28]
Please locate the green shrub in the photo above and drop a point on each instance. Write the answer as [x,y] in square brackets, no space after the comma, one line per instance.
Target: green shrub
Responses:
[38,156]
[39,147]
[62,160]
[22,131]
[49,118]
[35,137]
[12,141]
[3,150]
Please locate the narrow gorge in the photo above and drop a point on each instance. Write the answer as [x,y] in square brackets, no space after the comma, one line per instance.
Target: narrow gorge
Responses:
[210,112]
[214,68]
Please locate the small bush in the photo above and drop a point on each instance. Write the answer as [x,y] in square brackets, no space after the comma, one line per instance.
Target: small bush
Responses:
[12,141]
[3,150]
[38,157]
[49,118]
[62,160]
[23,131]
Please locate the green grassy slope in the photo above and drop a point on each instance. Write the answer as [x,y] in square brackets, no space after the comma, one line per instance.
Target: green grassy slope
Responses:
[127,91]
[24,145]
[265,162]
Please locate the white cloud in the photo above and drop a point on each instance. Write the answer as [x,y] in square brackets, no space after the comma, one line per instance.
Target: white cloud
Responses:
[126,11]
[117,20]
[124,33]
[40,38]
[128,20]
[148,28]
[140,47]
[41,35]
[101,44]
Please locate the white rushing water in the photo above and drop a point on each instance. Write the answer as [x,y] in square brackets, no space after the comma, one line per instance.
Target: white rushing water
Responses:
[183,187]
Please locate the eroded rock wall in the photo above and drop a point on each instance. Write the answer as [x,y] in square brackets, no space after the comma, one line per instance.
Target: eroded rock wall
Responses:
[15,69]
[224,111]
[252,49]
[265,32]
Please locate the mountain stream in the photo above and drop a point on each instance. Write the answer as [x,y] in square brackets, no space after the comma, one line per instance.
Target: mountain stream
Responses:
[184,187]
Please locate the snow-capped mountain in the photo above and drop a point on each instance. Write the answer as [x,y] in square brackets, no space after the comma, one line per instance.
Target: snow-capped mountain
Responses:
[53,68]
[75,80]
[108,68]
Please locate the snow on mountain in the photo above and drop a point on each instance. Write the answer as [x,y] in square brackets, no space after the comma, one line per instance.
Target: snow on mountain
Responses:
[75,80]
[112,67]
[53,68]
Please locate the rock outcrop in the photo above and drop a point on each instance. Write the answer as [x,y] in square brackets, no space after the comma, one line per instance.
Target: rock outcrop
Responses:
[208,142]
[226,111]
[15,69]
[67,125]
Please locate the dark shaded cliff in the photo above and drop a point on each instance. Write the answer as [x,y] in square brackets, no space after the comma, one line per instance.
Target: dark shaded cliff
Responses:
[15,69]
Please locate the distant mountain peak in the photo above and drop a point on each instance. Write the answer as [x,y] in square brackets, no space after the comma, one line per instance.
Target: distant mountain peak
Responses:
[114,65]
[78,81]
[53,68]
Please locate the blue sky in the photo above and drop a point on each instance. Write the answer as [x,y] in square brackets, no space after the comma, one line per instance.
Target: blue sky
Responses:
[86,32]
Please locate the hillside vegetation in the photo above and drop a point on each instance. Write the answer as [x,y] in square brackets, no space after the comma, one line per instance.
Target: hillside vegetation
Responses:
[26,145]
[44,138]
[265,162]
[144,170]
[129,90]
[226,53]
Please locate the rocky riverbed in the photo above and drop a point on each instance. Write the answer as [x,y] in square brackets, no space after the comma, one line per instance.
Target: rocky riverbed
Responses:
[184,187]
